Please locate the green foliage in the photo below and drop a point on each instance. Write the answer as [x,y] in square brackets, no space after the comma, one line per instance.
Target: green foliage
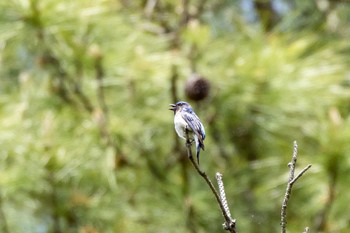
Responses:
[87,142]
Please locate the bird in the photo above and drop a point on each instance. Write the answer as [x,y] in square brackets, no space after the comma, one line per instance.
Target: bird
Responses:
[187,124]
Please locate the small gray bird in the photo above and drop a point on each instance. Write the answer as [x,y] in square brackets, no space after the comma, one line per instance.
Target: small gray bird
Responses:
[185,119]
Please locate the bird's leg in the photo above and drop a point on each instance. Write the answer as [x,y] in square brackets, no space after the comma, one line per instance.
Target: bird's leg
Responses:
[188,142]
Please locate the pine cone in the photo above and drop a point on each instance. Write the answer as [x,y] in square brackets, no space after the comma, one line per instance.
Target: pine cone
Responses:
[197,87]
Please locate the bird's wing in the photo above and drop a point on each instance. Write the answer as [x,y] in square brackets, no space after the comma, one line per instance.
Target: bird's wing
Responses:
[195,124]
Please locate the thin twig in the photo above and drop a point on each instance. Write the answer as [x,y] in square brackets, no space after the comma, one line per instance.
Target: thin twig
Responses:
[232,222]
[229,223]
[290,184]
[300,174]
[223,199]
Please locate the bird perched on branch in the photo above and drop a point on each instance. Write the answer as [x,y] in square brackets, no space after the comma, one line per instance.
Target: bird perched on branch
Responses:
[187,124]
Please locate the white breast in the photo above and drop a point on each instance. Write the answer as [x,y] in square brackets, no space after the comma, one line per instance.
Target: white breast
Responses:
[180,125]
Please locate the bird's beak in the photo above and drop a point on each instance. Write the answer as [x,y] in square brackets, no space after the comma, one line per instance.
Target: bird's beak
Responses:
[172,107]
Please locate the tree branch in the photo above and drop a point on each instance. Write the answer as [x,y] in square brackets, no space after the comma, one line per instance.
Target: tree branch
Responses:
[290,184]
[230,224]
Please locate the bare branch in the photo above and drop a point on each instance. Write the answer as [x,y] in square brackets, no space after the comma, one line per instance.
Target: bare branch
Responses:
[224,201]
[290,184]
[230,224]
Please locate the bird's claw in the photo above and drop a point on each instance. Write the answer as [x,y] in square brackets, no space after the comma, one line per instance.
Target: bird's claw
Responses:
[189,142]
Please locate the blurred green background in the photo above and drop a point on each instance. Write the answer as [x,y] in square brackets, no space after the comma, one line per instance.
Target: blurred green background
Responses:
[87,141]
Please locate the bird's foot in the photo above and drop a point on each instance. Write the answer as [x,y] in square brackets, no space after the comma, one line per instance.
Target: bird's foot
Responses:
[189,142]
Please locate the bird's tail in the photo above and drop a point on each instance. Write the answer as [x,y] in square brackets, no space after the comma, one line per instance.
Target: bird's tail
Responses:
[199,145]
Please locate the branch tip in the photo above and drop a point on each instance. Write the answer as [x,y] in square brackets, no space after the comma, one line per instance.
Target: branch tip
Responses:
[291,181]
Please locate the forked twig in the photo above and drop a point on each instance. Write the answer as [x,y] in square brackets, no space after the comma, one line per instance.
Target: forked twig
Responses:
[291,181]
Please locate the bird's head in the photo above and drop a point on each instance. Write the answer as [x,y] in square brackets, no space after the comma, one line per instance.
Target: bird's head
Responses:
[179,106]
